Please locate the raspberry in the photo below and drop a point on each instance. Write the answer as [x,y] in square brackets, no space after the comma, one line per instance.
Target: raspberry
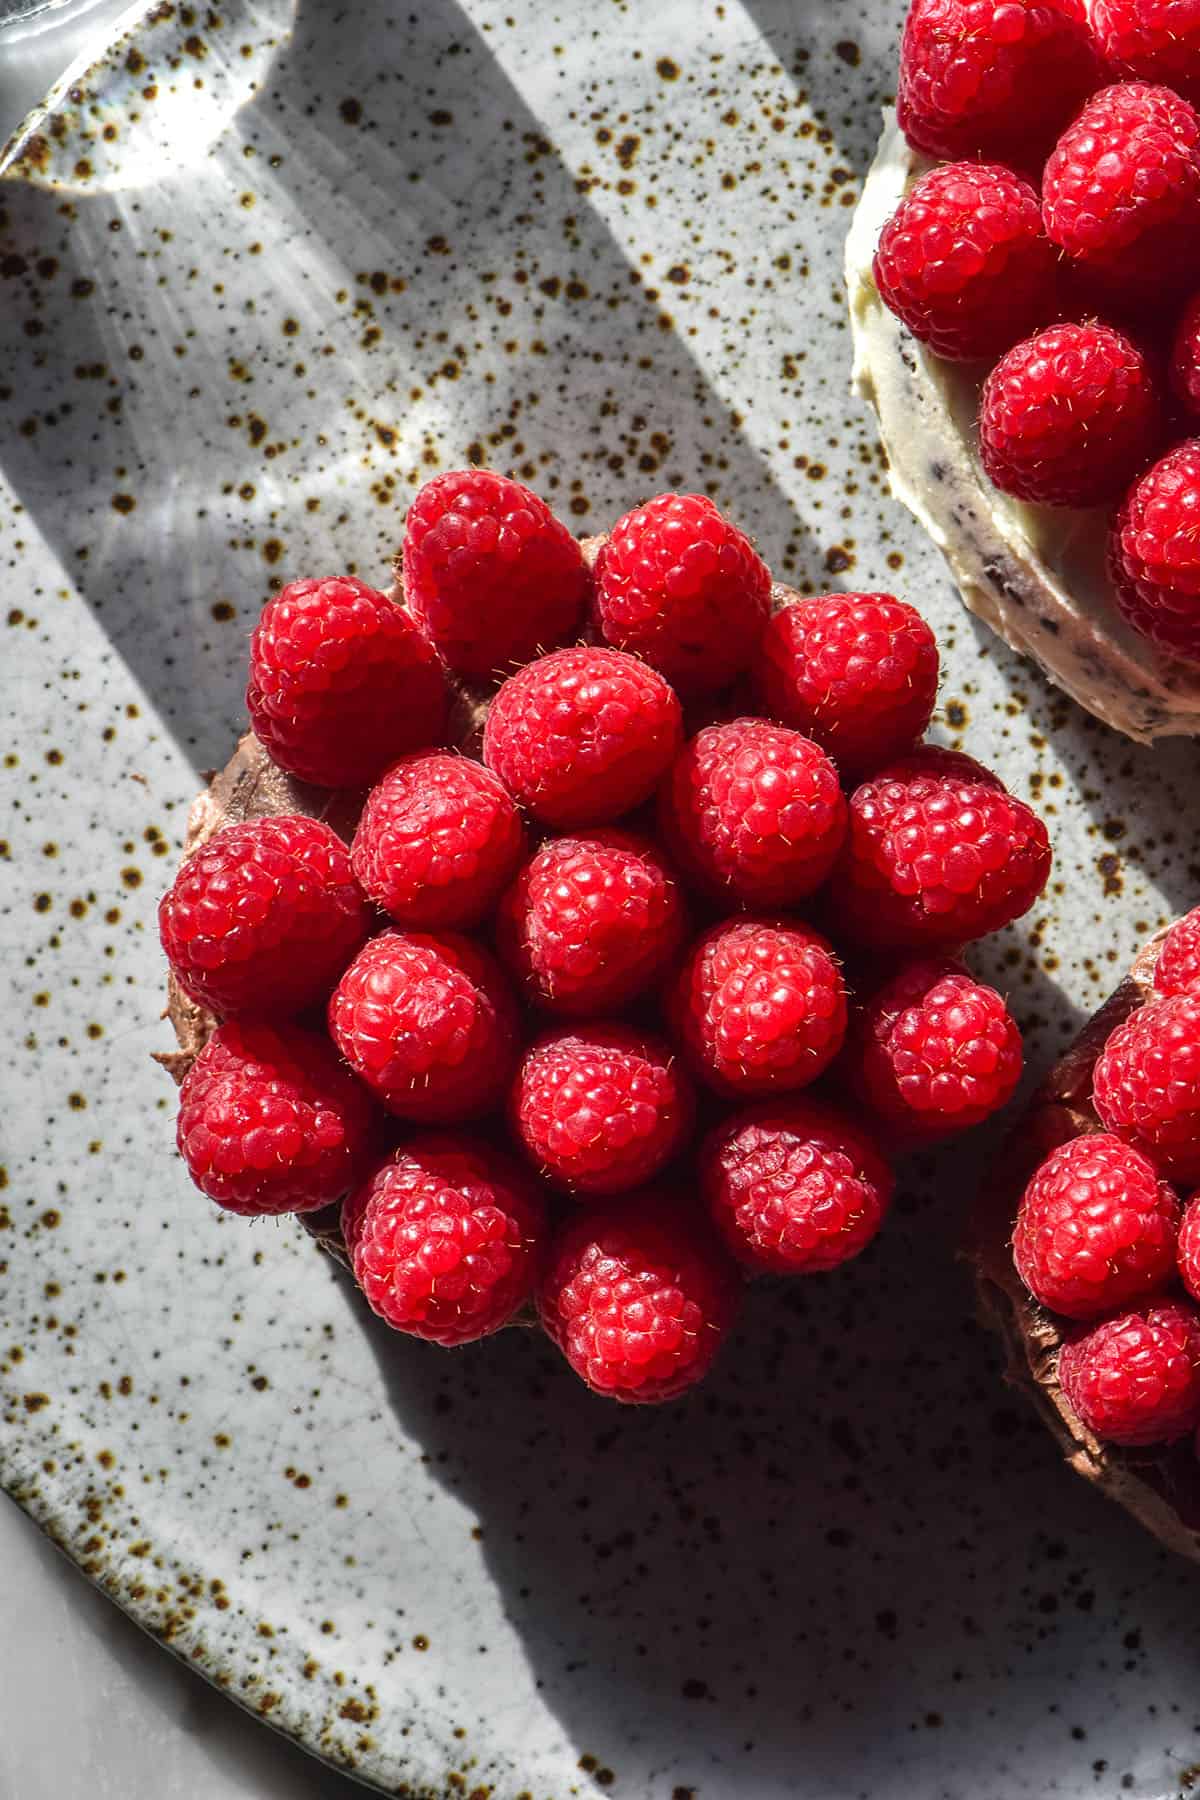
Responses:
[342,682]
[1187,1248]
[445,1238]
[759,1006]
[428,1024]
[1178,965]
[438,840]
[591,922]
[1185,360]
[638,1297]
[679,585]
[753,811]
[1135,1379]
[937,853]
[933,1052]
[1157,40]
[965,263]
[490,573]
[270,1121]
[857,673]
[1069,417]
[794,1187]
[1121,191]
[1154,553]
[996,78]
[1096,1228]
[264,917]
[582,735]
[1146,1083]
[601,1109]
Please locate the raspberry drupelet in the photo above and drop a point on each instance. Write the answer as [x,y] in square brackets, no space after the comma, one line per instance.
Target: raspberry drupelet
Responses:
[759,1006]
[583,735]
[1135,1379]
[342,682]
[1096,1228]
[600,1108]
[1069,417]
[1146,1083]
[856,673]
[937,853]
[1154,553]
[978,78]
[1155,40]
[591,922]
[677,584]
[490,573]
[263,917]
[965,263]
[754,812]
[1178,966]
[428,1024]
[794,1186]
[638,1296]
[439,839]
[445,1238]
[270,1121]
[1187,1248]
[932,1052]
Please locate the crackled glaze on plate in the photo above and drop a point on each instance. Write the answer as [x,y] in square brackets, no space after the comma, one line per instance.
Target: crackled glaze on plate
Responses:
[263,270]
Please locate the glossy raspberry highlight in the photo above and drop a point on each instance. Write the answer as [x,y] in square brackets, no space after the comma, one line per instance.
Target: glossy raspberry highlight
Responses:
[638,1297]
[1146,1084]
[583,735]
[342,682]
[490,573]
[1096,1228]
[263,917]
[439,839]
[754,812]
[677,584]
[794,1186]
[445,1239]
[1135,1379]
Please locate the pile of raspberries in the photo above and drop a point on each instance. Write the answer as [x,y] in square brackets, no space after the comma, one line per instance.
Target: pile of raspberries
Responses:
[491,1025]
[1102,1236]
[1057,242]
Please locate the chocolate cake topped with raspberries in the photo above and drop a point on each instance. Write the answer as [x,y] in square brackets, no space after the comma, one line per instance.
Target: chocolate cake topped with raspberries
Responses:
[575,936]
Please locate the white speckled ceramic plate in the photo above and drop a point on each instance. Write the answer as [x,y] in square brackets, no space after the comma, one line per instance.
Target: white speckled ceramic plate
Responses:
[264,269]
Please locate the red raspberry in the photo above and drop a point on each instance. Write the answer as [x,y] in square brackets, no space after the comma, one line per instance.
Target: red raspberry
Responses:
[933,1052]
[591,922]
[995,78]
[759,1007]
[438,840]
[937,853]
[445,1239]
[490,573]
[1135,1379]
[964,262]
[264,917]
[270,1121]
[1096,1228]
[1187,1249]
[1121,191]
[1185,360]
[1178,965]
[1146,1083]
[1069,417]
[601,1109]
[794,1186]
[1154,553]
[753,811]
[681,586]
[857,673]
[342,682]
[638,1297]
[582,735]
[1156,40]
[428,1024]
